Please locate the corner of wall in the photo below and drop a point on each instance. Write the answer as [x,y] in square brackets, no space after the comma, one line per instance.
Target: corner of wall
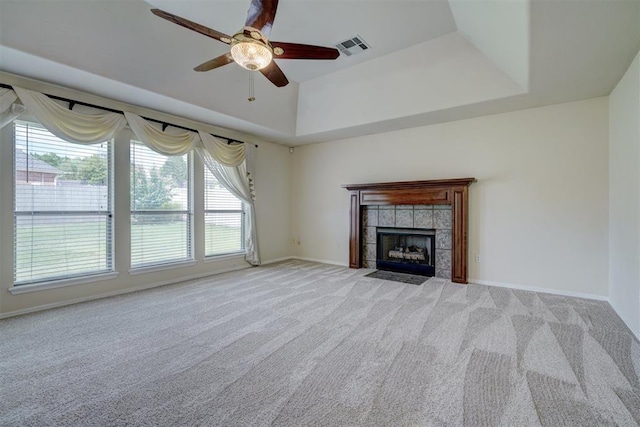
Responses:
[624,197]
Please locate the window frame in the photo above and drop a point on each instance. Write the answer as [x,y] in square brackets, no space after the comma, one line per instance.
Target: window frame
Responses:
[120,221]
[52,281]
[189,213]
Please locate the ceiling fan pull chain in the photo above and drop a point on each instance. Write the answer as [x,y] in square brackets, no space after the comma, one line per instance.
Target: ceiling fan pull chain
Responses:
[251,94]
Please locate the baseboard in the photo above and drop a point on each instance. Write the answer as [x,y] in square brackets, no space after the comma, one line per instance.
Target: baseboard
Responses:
[322,261]
[541,290]
[272,261]
[118,292]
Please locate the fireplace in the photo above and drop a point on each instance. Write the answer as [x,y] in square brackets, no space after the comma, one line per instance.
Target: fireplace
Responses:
[406,250]
[421,196]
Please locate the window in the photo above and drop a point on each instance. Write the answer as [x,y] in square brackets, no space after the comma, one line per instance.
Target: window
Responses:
[161,214]
[62,206]
[223,217]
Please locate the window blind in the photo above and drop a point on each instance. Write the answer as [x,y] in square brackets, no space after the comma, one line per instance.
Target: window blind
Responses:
[62,206]
[224,219]
[161,214]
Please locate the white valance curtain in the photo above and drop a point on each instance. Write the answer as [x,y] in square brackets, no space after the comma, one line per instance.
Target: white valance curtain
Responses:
[9,110]
[230,164]
[71,125]
[170,142]
[221,151]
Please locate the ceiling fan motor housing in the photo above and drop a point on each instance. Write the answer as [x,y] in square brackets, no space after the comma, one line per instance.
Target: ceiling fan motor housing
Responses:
[251,49]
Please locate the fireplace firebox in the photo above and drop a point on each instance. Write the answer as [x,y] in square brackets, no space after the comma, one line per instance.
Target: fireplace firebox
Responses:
[406,250]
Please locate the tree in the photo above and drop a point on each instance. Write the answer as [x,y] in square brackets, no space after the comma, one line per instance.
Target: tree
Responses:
[70,168]
[148,192]
[174,170]
[52,159]
[92,170]
[89,170]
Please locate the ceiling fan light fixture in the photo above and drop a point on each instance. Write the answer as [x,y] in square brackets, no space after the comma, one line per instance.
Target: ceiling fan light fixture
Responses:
[251,54]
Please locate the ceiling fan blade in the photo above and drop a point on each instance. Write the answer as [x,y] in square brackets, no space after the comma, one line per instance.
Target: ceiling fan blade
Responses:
[215,62]
[304,51]
[261,14]
[275,74]
[192,26]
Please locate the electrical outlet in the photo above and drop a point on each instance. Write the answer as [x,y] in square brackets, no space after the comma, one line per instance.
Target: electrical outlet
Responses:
[477,258]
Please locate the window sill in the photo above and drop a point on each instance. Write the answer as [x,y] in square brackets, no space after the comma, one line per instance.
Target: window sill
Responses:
[232,255]
[161,267]
[43,286]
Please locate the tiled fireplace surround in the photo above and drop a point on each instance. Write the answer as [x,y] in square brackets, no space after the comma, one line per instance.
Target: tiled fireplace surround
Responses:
[436,217]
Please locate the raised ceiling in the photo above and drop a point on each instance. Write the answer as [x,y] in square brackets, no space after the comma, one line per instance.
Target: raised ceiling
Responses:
[431,60]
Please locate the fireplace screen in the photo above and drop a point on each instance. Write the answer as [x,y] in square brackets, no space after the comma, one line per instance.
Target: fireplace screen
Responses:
[406,250]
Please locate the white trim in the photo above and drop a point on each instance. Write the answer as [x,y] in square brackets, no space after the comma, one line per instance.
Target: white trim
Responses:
[214,258]
[53,284]
[273,261]
[322,261]
[161,267]
[119,292]
[541,290]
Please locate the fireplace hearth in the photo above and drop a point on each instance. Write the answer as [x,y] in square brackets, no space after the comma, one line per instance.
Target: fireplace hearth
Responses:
[406,250]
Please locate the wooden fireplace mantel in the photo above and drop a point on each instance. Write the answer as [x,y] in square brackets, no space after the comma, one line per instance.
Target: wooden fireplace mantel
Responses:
[454,192]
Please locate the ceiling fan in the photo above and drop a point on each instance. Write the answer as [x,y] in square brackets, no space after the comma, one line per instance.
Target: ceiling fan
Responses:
[251,47]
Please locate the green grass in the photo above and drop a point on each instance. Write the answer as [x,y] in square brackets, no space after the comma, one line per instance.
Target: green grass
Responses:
[50,251]
[222,240]
[158,243]
[45,251]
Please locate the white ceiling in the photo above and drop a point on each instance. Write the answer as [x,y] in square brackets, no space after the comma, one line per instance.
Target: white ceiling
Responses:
[431,60]
[324,23]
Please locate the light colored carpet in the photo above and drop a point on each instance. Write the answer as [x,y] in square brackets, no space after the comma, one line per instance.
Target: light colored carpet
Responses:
[300,343]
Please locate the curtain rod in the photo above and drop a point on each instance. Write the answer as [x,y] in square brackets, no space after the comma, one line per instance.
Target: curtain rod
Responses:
[164,124]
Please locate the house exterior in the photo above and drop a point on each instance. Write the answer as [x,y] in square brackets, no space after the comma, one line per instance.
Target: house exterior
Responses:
[30,170]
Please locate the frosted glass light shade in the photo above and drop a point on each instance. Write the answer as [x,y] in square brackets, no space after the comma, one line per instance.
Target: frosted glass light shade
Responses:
[251,55]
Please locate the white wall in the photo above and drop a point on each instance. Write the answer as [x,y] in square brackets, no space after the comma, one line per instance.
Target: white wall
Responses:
[273,201]
[624,197]
[273,205]
[538,213]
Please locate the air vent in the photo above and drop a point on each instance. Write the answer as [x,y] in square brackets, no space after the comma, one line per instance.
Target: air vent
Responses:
[353,46]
